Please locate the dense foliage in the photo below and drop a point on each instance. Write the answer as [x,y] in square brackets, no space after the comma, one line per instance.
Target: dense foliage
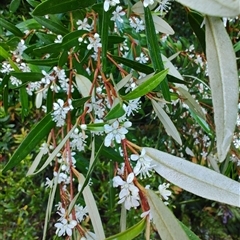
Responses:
[116,114]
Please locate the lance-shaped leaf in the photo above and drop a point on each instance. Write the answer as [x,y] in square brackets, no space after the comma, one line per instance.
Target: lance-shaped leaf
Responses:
[221,8]
[162,26]
[116,112]
[166,121]
[56,6]
[84,85]
[27,76]
[36,135]
[130,233]
[147,86]
[11,28]
[165,222]
[191,235]
[194,178]
[191,102]
[223,75]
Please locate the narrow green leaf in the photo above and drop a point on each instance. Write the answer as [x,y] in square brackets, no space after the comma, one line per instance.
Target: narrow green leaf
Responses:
[116,112]
[50,48]
[49,101]
[27,76]
[191,235]
[188,175]
[4,53]
[112,39]
[38,132]
[154,51]
[5,92]
[14,5]
[71,39]
[52,26]
[56,6]
[196,20]
[11,28]
[147,86]
[134,65]
[224,82]
[131,232]
[166,223]
[63,58]
[104,38]
[42,62]
[24,101]
[77,103]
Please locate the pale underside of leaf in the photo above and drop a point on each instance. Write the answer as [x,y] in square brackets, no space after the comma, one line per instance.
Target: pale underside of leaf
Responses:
[196,179]
[223,77]
[162,26]
[166,121]
[164,220]
[83,84]
[221,8]
[92,210]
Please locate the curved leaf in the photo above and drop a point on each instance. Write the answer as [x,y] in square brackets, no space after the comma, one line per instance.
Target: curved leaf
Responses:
[31,141]
[130,233]
[56,6]
[27,76]
[84,85]
[11,28]
[223,75]
[147,86]
[191,235]
[194,178]
[162,26]
[221,8]
[166,121]
[166,223]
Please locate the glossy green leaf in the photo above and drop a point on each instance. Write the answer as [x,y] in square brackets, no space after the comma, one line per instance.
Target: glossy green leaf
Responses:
[4,53]
[77,103]
[24,101]
[165,222]
[116,112]
[71,39]
[29,24]
[196,21]
[5,92]
[52,26]
[56,6]
[50,48]
[14,5]
[191,235]
[154,51]
[188,175]
[224,82]
[43,62]
[27,76]
[131,232]
[31,141]
[63,58]
[134,65]
[147,86]
[11,28]
[112,39]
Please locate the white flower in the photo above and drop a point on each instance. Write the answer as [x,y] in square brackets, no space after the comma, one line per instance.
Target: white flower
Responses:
[162,188]
[94,42]
[108,3]
[129,192]
[58,39]
[114,132]
[32,87]
[19,50]
[142,59]
[144,164]
[137,24]
[133,106]
[60,112]
[65,227]
[164,6]
[24,67]
[83,25]
[6,68]
[148,2]
[117,14]
[78,140]
[15,81]
[47,79]
[80,212]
